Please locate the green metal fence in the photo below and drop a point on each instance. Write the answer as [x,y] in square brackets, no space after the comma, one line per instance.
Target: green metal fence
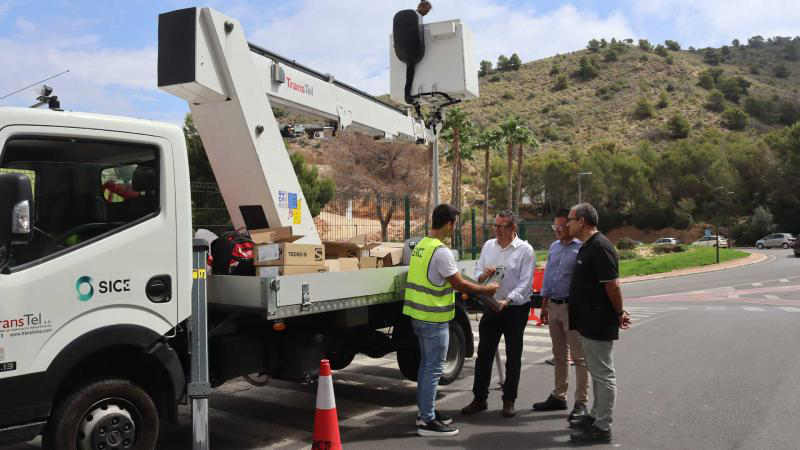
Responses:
[368,216]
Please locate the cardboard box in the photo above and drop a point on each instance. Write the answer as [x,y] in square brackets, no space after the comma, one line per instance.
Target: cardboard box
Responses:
[370,262]
[390,253]
[348,264]
[335,250]
[289,254]
[274,271]
[271,235]
[333,265]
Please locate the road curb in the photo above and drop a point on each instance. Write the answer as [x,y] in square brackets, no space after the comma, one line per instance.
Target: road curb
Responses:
[754,258]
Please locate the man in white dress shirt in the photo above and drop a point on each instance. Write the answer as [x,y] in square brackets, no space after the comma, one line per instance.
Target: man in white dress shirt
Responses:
[509,317]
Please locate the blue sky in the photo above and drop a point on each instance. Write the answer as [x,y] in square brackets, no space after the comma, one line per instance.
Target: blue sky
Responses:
[110,46]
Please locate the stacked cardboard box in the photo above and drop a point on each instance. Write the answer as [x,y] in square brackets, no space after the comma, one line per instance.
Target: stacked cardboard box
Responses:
[276,253]
[356,256]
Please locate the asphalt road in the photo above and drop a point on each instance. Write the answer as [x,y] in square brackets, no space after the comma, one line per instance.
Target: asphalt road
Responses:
[711,362]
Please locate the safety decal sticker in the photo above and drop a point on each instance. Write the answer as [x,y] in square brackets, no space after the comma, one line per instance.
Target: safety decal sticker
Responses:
[9,366]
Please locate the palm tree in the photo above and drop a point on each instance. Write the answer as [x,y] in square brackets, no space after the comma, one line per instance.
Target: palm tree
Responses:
[488,140]
[511,134]
[525,138]
[458,129]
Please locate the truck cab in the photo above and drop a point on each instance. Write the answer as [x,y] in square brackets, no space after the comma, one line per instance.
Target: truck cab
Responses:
[106,272]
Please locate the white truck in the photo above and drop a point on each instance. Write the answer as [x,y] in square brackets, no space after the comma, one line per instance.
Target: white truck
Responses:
[103,298]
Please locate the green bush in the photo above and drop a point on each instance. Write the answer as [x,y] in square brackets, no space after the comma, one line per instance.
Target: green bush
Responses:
[494,78]
[643,110]
[555,70]
[711,57]
[715,101]
[508,95]
[644,44]
[587,70]
[626,243]
[662,249]
[663,101]
[678,127]
[734,119]
[561,83]
[661,50]
[781,71]
[672,45]
[625,255]
[611,56]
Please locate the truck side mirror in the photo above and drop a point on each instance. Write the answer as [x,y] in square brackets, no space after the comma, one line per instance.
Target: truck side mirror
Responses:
[16,209]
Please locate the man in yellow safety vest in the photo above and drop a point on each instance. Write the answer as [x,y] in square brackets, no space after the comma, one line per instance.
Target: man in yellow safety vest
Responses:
[433,279]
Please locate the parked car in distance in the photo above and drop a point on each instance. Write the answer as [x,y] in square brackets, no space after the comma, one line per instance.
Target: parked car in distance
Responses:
[664,241]
[711,241]
[783,240]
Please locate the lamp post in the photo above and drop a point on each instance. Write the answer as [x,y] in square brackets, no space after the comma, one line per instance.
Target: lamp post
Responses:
[717,233]
[579,184]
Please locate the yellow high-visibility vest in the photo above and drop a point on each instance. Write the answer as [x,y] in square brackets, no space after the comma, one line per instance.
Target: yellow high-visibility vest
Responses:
[423,299]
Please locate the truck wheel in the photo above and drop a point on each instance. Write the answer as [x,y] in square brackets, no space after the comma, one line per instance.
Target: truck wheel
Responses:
[456,352]
[340,360]
[107,414]
[408,358]
[784,245]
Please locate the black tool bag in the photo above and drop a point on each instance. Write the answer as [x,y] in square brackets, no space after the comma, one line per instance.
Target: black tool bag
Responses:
[232,253]
[409,44]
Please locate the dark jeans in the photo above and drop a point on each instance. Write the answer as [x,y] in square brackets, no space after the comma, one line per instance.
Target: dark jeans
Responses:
[509,323]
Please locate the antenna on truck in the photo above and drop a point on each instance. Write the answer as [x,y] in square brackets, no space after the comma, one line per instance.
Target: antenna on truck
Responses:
[34,84]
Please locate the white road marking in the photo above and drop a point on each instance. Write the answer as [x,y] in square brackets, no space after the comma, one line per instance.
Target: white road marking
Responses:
[783,280]
[756,284]
[790,309]
[715,308]
[771,297]
[677,308]
[752,308]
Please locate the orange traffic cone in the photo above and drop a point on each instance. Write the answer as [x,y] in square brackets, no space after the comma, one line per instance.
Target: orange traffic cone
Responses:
[533,316]
[326,422]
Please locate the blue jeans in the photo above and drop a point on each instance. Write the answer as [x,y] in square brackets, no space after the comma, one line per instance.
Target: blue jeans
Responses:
[433,339]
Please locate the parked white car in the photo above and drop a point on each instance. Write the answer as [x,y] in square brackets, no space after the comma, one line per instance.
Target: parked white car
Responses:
[711,241]
[784,240]
[664,241]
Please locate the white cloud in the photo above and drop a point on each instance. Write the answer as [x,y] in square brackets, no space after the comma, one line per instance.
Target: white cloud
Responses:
[351,41]
[25,25]
[717,22]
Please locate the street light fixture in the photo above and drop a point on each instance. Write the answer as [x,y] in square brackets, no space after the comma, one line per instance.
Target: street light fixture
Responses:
[579,184]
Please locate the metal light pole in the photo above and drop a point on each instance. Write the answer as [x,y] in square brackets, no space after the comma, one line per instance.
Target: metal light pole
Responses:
[717,233]
[579,184]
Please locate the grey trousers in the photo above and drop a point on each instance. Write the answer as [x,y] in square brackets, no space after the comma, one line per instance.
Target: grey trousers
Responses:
[600,360]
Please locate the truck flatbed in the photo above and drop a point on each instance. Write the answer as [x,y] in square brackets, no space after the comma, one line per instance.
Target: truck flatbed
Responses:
[297,295]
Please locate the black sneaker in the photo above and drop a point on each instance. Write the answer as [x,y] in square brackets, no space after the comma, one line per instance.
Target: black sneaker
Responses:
[582,423]
[439,416]
[591,435]
[436,428]
[551,404]
[578,412]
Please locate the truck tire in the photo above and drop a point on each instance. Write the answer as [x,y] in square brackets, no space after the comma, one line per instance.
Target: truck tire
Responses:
[408,358]
[112,413]
[340,360]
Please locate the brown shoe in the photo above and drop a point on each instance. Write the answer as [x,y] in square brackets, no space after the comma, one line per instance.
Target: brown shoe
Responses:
[508,408]
[477,405]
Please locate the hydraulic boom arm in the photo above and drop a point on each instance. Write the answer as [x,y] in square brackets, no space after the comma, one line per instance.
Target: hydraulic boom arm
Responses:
[205,59]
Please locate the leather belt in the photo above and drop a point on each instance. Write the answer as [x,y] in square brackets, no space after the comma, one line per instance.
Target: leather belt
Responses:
[560,301]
